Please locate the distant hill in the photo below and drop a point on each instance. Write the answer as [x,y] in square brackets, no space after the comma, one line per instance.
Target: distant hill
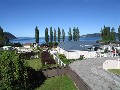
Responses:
[95,35]
[92,35]
[9,35]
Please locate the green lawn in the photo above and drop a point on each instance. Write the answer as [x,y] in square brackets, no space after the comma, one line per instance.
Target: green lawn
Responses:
[34,64]
[67,61]
[58,83]
[117,71]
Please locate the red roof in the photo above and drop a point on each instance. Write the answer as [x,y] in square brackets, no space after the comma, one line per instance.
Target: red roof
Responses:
[27,44]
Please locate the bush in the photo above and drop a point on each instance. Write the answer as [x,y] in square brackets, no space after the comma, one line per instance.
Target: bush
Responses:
[81,57]
[106,50]
[44,45]
[50,44]
[27,55]
[62,56]
[46,58]
[14,44]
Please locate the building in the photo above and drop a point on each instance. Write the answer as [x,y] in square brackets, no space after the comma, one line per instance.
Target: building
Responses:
[77,49]
[27,45]
[7,48]
[23,49]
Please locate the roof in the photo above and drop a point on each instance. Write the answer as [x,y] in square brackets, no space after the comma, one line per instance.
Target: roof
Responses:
[78,45]
[6,46]
[27,44]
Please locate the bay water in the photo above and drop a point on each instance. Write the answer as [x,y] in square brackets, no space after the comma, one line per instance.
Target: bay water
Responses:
[24,40]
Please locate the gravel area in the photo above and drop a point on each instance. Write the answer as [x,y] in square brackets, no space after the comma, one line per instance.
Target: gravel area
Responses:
[91,71]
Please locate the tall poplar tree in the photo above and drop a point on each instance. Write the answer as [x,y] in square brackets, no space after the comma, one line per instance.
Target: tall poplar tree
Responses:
[46,35]
[59,34]
[51,35]
[77,33]
[69,35]
[37,35]
[63,35]
[119,33]
[74,34]
[54,35]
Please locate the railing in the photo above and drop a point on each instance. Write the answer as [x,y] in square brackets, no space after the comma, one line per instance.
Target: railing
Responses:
[58,71]
[58,60]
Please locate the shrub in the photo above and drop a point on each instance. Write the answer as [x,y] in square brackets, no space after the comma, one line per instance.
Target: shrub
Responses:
[62,56]
[46,58]
[106,50]
[53,43]
[44,45]
[27,55]
[56,44]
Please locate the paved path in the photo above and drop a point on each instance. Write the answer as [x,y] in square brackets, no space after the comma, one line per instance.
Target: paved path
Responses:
[92,73]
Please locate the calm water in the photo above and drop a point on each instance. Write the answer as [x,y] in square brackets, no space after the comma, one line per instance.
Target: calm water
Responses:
[24,40]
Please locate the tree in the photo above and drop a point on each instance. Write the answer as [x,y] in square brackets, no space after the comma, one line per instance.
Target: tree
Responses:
[1,32]
[13,72]
[37,35]
[54,35]
[113,34]
[101,33]
[105,33]
[78,34]
[69,35]
[74,34]
[119,33]
[63,35]
[46,35]
[51,34]
[59,34]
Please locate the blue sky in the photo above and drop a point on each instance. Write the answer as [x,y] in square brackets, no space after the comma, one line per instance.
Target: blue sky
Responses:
[20,17]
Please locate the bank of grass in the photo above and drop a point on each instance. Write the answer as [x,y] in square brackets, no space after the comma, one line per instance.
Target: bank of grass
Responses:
[34,64]
[58,83]
[67,61]
[115,71]
[64,59]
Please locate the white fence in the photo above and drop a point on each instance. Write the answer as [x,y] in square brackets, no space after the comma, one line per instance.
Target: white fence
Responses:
[58,60]
[111,64]
[54,53]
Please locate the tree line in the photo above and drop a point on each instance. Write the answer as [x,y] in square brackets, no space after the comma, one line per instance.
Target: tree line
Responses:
[108,34]
[59,35]
[50,36]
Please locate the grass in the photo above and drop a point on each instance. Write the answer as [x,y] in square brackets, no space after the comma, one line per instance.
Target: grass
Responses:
[64,59]
[58,83]
[67,61]
[34,64]
[115,71]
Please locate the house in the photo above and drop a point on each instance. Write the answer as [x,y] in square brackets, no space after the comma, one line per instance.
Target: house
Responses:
[27,45]
[7,48]
[23,49]
[76,49]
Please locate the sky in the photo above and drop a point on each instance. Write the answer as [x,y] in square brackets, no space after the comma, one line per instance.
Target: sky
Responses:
[20,17]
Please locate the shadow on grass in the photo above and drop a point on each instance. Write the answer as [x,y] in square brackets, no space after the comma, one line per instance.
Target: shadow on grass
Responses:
[35,78]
